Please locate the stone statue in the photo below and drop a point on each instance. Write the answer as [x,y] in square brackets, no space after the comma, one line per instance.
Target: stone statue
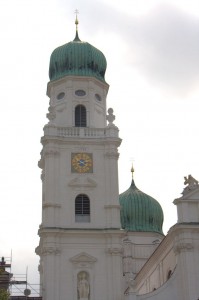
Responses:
[110,117]
[83,286]
[192,184]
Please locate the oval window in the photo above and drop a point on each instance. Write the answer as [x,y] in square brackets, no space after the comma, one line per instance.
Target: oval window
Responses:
[80,93]
[60,96]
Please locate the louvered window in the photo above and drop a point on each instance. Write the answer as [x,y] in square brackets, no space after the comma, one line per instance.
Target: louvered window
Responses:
[80,116]
[82,208]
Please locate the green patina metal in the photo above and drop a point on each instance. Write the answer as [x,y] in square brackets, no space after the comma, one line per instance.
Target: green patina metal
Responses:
[139,211]
[77,58]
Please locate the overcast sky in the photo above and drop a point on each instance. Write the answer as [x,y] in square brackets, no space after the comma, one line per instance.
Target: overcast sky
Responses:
[152,51]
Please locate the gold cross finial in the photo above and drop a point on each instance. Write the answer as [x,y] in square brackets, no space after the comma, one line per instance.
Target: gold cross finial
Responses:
[76,20]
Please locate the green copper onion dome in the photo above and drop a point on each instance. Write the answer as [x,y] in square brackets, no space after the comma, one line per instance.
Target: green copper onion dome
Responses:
[140,212]
[77,58]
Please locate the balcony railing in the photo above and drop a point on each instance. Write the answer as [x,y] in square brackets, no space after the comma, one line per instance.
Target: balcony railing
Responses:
[86,132]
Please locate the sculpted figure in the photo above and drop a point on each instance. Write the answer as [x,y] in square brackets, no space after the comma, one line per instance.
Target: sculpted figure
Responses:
[191,184]
[110,117]
[190,181]
[83,286]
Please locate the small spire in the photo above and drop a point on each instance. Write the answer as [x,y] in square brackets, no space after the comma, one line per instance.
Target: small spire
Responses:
[76,23]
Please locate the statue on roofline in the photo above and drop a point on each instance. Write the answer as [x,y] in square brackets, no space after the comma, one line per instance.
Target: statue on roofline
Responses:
[191,182]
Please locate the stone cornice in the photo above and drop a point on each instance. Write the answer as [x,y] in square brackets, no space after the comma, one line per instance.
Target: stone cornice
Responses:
[185,227]
[57,231]
[80,141]
[74,79]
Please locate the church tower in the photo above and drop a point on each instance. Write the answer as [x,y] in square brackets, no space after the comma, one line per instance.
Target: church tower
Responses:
[80,236]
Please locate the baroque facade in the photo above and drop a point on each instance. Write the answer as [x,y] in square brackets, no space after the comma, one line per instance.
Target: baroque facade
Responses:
[94,243]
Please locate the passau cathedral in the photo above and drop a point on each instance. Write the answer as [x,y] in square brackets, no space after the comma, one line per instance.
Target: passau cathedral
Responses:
[94,243]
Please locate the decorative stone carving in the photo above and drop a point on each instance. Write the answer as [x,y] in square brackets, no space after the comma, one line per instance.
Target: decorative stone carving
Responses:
[50,251]
[81,149]
[191,182]
[182,246]
[51,152]
[113,153]
[82,182]
[110,117]
[127,264]
[83,260]
[129,278]
[127,247]
[51,115]
[114,251]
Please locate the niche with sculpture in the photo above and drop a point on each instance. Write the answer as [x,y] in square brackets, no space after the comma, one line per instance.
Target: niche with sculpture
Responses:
[83,286]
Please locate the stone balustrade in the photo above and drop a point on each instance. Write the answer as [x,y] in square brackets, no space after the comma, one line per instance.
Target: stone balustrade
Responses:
[109,131]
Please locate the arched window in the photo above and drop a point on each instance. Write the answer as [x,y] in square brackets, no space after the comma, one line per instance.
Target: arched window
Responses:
[82,208]
[80,116]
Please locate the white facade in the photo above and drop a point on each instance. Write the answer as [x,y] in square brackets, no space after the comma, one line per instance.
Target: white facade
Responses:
[86,256]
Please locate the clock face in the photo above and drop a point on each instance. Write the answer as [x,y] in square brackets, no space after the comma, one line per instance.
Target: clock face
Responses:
[81,163]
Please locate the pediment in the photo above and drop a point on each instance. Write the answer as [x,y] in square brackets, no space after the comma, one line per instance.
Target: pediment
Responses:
[83,258]
[82,182]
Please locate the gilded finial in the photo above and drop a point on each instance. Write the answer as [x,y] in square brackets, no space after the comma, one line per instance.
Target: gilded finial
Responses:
[76,23]
[132,170]
[76,19]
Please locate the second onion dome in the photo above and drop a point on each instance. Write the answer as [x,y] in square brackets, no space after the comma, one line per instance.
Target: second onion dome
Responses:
[139,211]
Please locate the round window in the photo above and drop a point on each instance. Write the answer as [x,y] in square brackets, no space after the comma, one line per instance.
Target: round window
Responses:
[80,93]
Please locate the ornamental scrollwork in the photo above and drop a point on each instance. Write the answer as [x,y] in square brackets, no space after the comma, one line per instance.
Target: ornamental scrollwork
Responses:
[51,153]
[114,251]
[51,115]
[50,250]
[112,154]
